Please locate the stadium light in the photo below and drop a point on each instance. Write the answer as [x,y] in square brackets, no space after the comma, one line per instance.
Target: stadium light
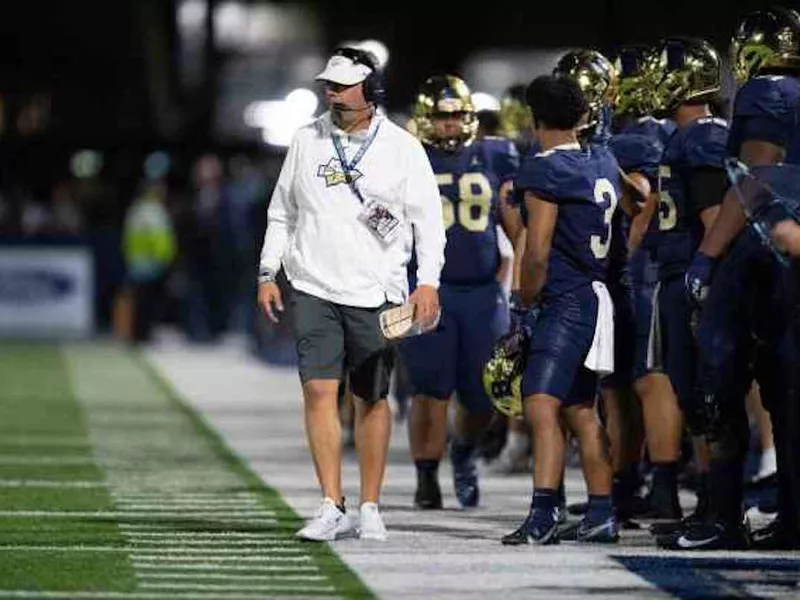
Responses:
[484,101]
[279,119]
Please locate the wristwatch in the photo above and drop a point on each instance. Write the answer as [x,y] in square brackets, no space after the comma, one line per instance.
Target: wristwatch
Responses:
[266,276]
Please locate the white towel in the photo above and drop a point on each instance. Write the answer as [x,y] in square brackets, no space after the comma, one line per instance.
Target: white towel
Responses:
[655,360]
[600,358]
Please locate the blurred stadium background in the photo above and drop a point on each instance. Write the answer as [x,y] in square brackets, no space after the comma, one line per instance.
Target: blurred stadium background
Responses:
[192,101]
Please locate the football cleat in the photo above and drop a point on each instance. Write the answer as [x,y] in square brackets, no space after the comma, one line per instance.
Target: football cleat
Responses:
[442,96]
[539,528]
[766,41]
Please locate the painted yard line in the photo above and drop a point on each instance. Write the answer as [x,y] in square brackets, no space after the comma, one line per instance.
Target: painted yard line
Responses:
[231,552]
[200,535]
[210,543]
[193,506]
[216,568]
[51,483]
[177,577]
[108,514]
[216,553]
[60,461]
[46,440]
[136,560]
[210,587]
[139,550]
[76,595]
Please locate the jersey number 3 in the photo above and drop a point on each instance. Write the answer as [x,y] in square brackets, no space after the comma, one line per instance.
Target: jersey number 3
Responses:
[474,201]
[604,193]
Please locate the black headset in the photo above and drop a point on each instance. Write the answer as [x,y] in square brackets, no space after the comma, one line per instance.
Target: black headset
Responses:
[374,89]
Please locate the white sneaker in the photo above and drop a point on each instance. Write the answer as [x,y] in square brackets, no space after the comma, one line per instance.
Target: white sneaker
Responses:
[371,525]
[328,524]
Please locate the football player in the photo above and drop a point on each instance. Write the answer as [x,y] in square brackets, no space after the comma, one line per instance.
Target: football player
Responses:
[691,184]
[638,146]
[570,193]
[474,177]
[765,131]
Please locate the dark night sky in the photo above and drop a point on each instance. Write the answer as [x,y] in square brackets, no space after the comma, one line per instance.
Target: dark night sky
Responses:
[90,52]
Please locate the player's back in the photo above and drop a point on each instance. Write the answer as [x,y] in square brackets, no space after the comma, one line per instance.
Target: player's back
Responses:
[766,108]
[700,144]
[585,184]
[469,180]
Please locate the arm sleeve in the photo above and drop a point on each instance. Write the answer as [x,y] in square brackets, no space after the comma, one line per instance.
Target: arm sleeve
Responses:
[282,213]
[707,187]
[424,210]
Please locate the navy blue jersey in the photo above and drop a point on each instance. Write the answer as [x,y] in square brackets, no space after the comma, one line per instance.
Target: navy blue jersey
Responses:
[638,148]
[765,110]
[793,152]
[699,145]
[586,186]
[469,181]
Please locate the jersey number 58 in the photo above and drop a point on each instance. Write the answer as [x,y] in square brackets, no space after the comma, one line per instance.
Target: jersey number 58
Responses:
[474,201]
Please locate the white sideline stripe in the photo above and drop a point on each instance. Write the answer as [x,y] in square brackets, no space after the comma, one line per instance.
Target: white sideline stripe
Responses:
[137,550]
[51,483]
[215,568]
[155,560]
[210,587]
[247,517]
[176,577]
[61,461]
[75,595]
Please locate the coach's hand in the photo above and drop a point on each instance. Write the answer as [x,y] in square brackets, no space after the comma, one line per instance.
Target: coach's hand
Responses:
[426,305]
[268,294]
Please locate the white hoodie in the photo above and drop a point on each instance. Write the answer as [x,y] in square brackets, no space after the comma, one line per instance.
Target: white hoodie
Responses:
[313,227]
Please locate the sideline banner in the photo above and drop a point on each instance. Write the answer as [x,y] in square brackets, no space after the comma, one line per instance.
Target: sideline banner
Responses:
[46,292]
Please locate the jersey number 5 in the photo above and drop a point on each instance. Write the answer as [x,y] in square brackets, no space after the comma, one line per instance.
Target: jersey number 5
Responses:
[474,201]
[667,211]
[604,193]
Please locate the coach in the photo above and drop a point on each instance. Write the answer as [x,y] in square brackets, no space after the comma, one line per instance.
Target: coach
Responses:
[355,194]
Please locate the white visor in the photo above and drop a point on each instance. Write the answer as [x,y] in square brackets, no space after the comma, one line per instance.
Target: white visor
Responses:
[343,71]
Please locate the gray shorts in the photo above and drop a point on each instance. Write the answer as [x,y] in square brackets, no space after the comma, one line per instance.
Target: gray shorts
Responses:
[333,339]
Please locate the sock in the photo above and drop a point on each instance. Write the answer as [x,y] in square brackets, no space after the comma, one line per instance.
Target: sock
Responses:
[768,463]
[702,495]
[562,496]
[726,491]
[600,508]
[461,451]
[427,466]
[665,480]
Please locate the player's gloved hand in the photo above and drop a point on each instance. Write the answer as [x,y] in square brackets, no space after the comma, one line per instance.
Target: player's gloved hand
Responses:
[522,315]
[698,278]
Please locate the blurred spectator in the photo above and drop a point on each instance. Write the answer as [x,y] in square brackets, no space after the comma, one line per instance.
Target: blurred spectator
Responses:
[207,253]
[149,249]
[67,217]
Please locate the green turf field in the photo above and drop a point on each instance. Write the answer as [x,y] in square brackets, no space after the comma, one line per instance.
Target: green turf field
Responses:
[111,488]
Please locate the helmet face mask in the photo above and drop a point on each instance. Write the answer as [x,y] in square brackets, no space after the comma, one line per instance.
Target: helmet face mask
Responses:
[766,41]
[688,71]
[502,374]
[440,100]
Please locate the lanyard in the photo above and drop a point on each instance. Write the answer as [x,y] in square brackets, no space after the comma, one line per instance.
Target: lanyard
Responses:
[348,167]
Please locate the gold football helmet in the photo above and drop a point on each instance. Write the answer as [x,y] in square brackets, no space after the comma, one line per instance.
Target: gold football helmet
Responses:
[766,40]
[688,69]
[515,114]
[595,75]
[637,67]
[442,95]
